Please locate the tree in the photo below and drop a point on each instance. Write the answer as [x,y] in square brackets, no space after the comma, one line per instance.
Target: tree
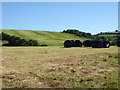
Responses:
[78,33]
[17,41]
[4,36]
[33,43]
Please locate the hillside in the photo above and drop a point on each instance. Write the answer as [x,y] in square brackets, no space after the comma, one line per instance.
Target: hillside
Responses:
[108,35]
[43,37]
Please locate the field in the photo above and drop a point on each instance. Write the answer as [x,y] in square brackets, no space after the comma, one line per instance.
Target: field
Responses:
[58,67]
[108,35]
[43,37]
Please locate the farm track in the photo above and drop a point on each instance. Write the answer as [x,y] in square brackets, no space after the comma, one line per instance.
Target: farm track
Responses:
[52,67]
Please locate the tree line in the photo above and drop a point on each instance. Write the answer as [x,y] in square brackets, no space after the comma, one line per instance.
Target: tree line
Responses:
[17,41]
[78,33]
[82,34]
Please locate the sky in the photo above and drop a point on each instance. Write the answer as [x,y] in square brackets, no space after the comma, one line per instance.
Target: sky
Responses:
[92,17]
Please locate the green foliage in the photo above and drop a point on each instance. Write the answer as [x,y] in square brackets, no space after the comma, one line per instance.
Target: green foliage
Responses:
[78,33]
[4,36]
[17,41]
[32,43]
[113,39]
[113,43]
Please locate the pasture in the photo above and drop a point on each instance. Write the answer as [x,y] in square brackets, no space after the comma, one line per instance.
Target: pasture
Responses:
[58,67]
[109,35]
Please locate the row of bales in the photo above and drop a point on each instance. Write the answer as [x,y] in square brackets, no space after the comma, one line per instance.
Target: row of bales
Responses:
[73,43]
[87,43]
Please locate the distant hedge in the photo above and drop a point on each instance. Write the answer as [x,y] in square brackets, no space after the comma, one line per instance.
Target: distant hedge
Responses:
[78,33]
[17,41]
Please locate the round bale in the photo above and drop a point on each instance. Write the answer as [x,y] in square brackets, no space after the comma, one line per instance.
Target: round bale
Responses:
[118,43]
[97,44]
[106,44]
[67,43]
[100,44]
[78,43]
[87,43]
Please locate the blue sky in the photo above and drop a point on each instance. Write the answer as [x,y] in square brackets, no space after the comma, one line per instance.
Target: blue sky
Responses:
[93,17]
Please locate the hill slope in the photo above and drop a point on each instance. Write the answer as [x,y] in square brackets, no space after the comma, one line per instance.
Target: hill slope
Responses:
[108,35]
[43,37]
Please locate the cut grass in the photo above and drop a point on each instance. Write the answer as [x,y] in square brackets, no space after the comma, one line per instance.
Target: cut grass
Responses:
[57,67]
[108,35]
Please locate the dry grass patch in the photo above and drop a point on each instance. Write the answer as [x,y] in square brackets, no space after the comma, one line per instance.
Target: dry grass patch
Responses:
[51,67]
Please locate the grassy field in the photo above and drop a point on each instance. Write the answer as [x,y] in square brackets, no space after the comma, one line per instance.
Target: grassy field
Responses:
[108,35]
[43,37]
[58,67]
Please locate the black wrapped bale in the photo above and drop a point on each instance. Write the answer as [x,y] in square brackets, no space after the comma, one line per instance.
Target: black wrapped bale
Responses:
[106,44]
[78,43]
[72,43]
[118,43]
[87,43]
[100,44]
[68,43]
[96,44]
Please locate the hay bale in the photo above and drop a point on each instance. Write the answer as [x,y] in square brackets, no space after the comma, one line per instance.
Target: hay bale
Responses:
[68,43]
[106,43]
[97,44]
[100,44]
[87,43]
[78,43]
[72,43]
[118,43]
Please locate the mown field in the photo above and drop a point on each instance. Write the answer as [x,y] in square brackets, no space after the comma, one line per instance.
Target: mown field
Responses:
[108,35]
[58,67]
[43,37]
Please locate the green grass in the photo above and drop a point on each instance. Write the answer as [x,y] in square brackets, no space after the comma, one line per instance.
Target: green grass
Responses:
[108,35]
[43,37]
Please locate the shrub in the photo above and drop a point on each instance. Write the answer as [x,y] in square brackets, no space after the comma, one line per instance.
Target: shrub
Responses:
[17,41]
